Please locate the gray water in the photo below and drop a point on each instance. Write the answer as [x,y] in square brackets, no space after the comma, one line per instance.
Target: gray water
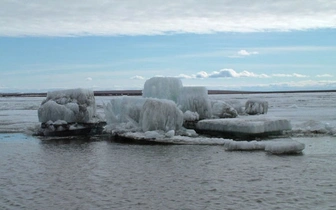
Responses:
[97,173]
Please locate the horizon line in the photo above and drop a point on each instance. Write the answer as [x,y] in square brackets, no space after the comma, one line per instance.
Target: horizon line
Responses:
[139,92]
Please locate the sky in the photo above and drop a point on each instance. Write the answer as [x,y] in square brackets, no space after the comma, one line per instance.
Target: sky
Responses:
[117,45]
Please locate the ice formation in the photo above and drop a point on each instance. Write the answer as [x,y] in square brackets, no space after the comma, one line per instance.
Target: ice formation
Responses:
[254,106]
[245,125]
[162,88]
[195,99]
[190,116]
[73,105]
[238,105]
[167,106]
[221,109]
[160,115]
[124,109]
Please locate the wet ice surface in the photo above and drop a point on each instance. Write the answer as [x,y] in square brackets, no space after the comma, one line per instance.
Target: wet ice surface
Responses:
[96,173]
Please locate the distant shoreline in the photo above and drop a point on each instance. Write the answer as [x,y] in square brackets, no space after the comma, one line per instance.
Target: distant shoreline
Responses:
[139,93]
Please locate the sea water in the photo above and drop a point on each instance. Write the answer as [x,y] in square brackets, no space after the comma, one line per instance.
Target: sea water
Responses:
[99,173]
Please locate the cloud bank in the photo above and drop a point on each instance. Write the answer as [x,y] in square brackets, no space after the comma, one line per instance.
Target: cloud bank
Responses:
[230,73]
[152,17]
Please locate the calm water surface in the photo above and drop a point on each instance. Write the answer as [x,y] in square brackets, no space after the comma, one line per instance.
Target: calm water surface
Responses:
[96,173]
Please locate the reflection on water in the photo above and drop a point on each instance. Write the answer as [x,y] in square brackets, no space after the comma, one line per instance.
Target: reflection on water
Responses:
[96,173]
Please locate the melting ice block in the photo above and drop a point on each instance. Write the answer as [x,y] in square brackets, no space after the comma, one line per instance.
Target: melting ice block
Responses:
[254,106]
[73,105]
[162,88]
[160,115]
[245,125]
[195,99]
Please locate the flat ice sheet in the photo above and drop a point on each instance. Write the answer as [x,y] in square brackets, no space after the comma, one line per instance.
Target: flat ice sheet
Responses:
[245,124]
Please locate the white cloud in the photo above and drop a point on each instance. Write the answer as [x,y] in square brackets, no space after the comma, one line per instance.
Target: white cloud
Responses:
[224,73]
[202,74]
[184,76]
[324,75]
[89,79]
[133,17]
[290,75]
[231,73]
[243,53]
[138,77]
[246,53]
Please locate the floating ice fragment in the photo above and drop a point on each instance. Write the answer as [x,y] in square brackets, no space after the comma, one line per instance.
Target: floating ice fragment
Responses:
[278,146]
[284,147]
[244,145]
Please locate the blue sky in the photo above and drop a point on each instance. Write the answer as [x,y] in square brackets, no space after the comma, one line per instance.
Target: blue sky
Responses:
[108,45]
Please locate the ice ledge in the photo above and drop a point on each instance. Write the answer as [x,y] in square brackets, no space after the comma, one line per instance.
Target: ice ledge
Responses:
[244,126]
